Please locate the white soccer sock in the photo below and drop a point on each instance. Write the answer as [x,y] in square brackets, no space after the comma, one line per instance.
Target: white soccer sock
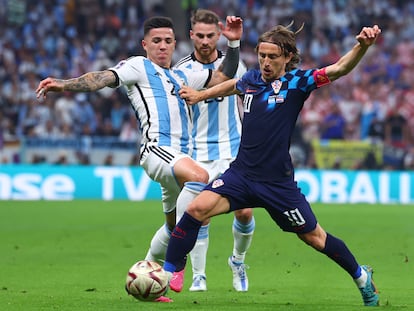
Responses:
[199,253]
[158,246]
[362,280]
[243,235]
[187,194]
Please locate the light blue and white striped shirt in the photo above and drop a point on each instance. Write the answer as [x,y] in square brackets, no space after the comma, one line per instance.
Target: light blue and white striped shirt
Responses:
[216,122]
[153,91]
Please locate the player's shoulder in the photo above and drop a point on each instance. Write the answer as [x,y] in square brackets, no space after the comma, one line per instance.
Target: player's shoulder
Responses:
[130,61]
[251,82]
[302,79]
[185,61]
[252,75]
[298,73]
[135,59]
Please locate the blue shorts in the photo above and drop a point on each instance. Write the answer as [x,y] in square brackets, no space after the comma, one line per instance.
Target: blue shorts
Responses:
[283,201]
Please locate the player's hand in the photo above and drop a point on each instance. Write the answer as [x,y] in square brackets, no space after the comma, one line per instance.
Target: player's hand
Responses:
[233,29]
[368,35]
[190,95]
[49,85]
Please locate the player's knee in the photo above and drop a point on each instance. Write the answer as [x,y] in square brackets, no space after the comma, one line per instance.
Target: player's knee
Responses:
[244,216]
[197,211]
[200,175]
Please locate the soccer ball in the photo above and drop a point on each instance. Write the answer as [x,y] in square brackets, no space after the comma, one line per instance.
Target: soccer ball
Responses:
[146,280]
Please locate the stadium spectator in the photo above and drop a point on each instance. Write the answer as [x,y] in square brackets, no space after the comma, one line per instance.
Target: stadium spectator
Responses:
[117,115]
[396,128]
[48,130]
[64,109]
[129,129]
[334,124]
[84,115]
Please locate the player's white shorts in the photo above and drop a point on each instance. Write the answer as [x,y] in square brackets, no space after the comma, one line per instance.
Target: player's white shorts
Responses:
[158,163]
[215,168]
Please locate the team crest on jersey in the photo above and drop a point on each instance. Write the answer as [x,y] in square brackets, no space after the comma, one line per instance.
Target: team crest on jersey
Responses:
[276,85]
[217,183]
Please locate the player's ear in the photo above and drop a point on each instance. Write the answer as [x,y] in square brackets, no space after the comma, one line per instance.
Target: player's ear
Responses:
[288,57]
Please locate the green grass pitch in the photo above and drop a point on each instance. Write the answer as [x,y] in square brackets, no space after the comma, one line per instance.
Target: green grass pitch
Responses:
[75,255]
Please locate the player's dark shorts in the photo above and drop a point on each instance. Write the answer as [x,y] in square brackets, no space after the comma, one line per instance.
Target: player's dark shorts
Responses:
[283,201]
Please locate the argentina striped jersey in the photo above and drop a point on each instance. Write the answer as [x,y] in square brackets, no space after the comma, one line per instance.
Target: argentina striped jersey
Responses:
[216,122]
[153,92]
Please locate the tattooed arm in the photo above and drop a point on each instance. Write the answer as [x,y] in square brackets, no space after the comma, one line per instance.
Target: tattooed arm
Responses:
[91,81]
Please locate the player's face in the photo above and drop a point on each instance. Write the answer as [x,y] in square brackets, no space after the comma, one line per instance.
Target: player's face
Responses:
[159,44]
[272,61]
[205,37]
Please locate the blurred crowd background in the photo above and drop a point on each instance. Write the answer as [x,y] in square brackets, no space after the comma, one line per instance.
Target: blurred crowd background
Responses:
[65,38]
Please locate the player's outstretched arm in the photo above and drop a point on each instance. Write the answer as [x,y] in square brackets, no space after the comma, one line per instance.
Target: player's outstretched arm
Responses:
[192,96]
[346,63]
[91,81]
[233,31]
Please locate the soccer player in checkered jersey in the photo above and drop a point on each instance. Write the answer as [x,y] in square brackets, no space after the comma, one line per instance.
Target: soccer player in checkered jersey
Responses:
[262,173]
[152,87]
[216,137]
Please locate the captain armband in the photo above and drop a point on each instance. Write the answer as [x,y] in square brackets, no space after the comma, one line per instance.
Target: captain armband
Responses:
[321,78]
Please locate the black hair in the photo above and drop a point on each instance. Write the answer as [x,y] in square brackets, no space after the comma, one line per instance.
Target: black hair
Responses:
[157,22]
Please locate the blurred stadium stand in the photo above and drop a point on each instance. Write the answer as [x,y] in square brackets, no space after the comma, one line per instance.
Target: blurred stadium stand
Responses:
[65,38]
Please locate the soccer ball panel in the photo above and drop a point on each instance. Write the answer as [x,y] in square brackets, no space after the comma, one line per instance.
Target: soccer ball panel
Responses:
[146,280]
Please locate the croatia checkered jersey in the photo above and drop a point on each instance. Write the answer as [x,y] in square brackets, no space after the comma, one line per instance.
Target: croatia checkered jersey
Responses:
[153,92]
[216,122]
[270,113]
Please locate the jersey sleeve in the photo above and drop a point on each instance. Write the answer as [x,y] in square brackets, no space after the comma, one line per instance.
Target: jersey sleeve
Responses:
[247,82]
[128,71]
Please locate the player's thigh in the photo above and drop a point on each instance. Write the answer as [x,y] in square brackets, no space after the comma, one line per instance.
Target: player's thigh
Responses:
[288,207]
[158,163]
[186,169]
[215,168]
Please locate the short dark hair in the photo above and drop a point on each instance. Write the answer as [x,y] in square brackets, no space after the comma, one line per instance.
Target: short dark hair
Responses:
[157,22]
[204,16]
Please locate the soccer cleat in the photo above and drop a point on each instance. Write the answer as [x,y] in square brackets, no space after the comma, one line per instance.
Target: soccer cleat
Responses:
[177,281]
[369,291]
[240,280]
[163,299]
[199,284]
